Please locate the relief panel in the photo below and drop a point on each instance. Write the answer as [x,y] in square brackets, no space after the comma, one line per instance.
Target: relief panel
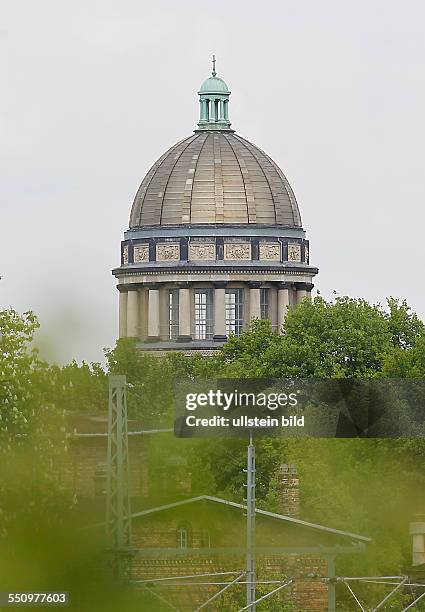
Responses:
[294,252]
[270,251]
[167,252]
[125,255]
[241,251]
[141,253]
[201,252]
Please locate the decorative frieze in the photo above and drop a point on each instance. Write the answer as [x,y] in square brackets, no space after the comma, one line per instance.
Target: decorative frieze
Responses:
[269,251]
[125,254]
[168,252]
[238,251]
[201,252]
[141,253]
[294,252]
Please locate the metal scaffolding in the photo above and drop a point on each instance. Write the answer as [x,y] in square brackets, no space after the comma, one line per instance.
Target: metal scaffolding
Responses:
[118,512]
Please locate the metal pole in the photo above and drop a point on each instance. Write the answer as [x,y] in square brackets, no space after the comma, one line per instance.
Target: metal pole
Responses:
[331,585]
[387,597]
[118,513]
[250,527]
[227,586]
[282,586]
[414,602]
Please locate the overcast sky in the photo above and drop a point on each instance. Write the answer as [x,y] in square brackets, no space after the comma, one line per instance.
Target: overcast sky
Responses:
[94,92]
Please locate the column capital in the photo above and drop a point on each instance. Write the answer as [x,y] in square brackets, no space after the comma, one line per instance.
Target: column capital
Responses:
[184,285]
[310,286]
[283,285]
[152,286]
[123,287]
[302,286]
[254,284]
[220,284]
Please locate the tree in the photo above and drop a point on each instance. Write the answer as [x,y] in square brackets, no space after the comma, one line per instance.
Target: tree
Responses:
[150,381]
[345,338]
[32,434]
[22,373]
[79,388]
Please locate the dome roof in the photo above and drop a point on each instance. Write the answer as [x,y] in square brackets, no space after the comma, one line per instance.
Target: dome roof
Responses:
[215,177]
[214,85]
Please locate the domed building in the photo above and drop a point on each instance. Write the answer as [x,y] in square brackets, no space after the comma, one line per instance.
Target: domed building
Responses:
[215,240]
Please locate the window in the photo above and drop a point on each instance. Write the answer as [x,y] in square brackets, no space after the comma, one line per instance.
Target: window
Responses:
[184,535]
[173,314]
[264,303]
[234,311]
[203,314]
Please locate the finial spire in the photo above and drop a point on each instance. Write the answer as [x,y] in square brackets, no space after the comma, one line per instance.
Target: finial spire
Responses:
[213,64]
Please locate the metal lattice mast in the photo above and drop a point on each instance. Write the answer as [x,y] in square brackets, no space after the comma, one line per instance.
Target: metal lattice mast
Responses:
[250,527]
[118,513]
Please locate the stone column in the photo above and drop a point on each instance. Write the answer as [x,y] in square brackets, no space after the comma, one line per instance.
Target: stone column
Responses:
[123,314]
[164,312]
[309,288]
[212,110]
[133,313]
[220,312]
[184,313]
[203,110]
[301,292]
[282,304]
[221,110]
[153,313]
[254,300]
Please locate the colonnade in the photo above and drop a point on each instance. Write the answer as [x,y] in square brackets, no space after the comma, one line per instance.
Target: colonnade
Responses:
[140,307]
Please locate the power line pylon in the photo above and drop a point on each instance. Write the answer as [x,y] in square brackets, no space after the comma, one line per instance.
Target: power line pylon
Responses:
[118,512]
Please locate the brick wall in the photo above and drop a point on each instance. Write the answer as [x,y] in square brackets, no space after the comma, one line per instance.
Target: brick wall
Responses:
[289,490]
[306,593]
[83,468]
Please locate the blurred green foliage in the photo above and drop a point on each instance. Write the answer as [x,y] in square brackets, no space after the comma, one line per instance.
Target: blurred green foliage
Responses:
[372,487]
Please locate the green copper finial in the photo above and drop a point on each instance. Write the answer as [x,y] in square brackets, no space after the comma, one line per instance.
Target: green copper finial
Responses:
[214,99]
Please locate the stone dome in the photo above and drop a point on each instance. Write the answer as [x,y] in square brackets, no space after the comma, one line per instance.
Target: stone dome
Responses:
[215,240]
[215,177]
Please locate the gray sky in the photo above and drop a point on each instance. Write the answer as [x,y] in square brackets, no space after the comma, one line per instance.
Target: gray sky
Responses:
[94,92]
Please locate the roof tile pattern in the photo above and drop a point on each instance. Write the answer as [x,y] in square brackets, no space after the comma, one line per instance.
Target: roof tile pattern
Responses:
[215,177]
